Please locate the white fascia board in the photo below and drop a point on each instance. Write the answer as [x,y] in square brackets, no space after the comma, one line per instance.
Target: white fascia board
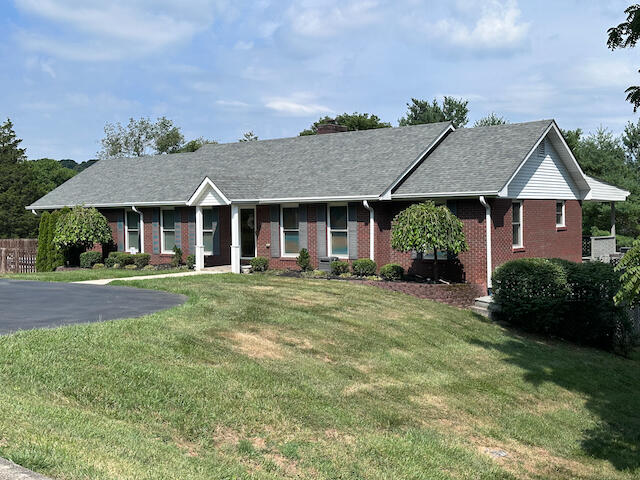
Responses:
[345,198]
[387,192]
[207,183]
[442,194]
[573,167]
[109,205]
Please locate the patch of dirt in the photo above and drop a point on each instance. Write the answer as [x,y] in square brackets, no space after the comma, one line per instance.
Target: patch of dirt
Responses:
[359,387]
[190,448]
[224,436]
[255,345]
[333,434]
[287,465]
[261,287]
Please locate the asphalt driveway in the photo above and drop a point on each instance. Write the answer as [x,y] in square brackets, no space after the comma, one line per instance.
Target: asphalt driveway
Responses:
[25,305]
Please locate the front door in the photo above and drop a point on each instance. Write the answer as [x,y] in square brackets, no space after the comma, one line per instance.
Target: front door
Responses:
[247,232]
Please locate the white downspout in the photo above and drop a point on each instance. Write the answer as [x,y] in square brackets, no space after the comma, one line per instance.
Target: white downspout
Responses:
[133,207]
[487,221]
[199,240]
[371,229]
[235,238]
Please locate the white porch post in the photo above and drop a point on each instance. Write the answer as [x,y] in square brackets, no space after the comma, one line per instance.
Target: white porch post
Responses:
[235,239]
[613,219]
[199,240]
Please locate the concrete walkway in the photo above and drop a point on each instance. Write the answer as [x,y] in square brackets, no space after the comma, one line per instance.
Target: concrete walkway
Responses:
[11,471]
[206,271]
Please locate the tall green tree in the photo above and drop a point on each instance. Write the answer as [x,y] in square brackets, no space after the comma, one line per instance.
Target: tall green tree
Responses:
[631,141]
[452,110]
[353,121]
[195,144]
[489,120]
[18,187]
[626,35]
[50,173]
[140,137]
[248,137]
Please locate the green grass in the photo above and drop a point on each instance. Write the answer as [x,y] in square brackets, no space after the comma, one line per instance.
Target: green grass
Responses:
[266,377]
[86,274]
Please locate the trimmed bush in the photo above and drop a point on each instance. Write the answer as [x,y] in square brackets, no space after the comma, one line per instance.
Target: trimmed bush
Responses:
[141,260]
[574,301]
[191,261]
[304,260]
[392,271]
[150,267]
[121,259]
[259,264]
[364,267]
[338,267]
[131,266]
[176,260]
[97,266]
[90,258]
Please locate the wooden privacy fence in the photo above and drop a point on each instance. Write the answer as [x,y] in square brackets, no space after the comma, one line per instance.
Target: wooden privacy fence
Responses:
[18,255]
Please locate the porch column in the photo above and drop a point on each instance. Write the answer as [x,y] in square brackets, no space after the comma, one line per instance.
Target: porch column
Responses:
[235,239]
[613,219]
[199,240]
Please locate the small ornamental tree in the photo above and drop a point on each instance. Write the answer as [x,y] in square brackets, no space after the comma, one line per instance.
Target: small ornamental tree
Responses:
[424,227]
[80,229]
[629,266]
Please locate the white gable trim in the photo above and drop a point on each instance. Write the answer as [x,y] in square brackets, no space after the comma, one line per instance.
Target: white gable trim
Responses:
[577,175]
[386,195]
[202,192]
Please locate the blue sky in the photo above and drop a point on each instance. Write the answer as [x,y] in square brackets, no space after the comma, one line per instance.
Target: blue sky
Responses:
[219,68]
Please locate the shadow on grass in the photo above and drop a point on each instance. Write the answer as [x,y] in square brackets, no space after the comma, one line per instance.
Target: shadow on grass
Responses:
[609,384]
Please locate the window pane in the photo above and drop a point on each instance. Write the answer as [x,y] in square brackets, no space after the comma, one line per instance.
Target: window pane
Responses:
[338,218]
[516,213]
[169,241]
[291,242]
[134,240]
[207,219]
[559,208]
[133,220]
[168,221]
[516,234]
[290,218]
[208,241]
[558,218]
[339,243]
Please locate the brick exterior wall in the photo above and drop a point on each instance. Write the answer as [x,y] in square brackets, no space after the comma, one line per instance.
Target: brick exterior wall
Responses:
[540,235]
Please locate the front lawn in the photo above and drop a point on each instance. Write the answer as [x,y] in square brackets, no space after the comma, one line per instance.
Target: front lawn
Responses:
[266,377]
[82,274]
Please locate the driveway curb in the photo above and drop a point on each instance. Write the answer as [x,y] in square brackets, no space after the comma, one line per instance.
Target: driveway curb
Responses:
[11,471]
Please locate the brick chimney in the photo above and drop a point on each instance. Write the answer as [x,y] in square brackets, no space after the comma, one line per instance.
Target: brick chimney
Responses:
[331,127]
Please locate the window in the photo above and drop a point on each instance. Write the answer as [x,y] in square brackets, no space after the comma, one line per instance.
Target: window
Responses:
[207,230]
[290,231]
[132,227]
[247,232]
[168,227]
[560,214]
[338,233]
[516,208]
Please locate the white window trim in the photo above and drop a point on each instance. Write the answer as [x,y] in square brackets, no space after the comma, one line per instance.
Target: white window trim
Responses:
[207,230]
[162,249]
[329,246]
[282,207]
[255,232]
[126,232]
[521,244]
[564,214]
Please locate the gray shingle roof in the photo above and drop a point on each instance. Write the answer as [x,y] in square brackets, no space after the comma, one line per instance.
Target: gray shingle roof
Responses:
[480,159]
[361,163]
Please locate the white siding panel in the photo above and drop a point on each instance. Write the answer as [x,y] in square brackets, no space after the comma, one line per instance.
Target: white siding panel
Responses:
[210,198]
[543,176]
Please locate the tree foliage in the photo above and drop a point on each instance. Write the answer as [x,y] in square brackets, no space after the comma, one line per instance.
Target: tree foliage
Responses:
[452,110]
[629,265]
[424,227]
[626,35]
[49,256]
[18,187]
[81,228]
[140,137]
[353,121]
[248,137]
[50,173]
[489,120]
[195,144]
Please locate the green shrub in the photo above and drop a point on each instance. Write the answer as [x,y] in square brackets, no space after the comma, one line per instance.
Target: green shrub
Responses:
[149,267]
[81,227]
[346,275]
[48,256]
[338,267]
[176,260]
[259,264]
[573,301]
[364,267]
[110,262]
[392,271]
[304,260]
[121,259]
[131,266]
[191,261]
[90,258]
[97,266]
[141,260]
[624,241]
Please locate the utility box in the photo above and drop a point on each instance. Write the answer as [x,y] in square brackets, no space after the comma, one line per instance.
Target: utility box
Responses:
[324,265]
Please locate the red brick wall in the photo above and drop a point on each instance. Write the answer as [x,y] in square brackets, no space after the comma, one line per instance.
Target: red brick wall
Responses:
[541,238]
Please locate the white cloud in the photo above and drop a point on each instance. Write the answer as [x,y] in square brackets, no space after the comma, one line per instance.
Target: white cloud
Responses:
[110,30]
[604,73]
[243,45]
[232,103]
[297,105]
[498,27]
[325,19]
